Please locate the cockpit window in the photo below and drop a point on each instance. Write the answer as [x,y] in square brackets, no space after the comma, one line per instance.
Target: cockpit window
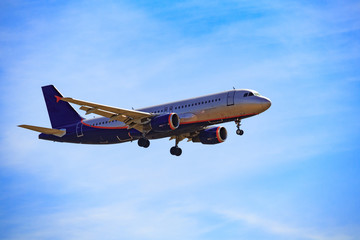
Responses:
[248,94]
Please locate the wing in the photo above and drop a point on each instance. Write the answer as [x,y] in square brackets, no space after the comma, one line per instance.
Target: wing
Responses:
[134,119]
[56,132]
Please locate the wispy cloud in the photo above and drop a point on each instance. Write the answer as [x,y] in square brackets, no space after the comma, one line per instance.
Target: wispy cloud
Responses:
[304,56]
[282,229]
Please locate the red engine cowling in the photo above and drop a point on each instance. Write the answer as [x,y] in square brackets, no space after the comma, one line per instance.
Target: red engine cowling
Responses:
[211,135]
[165,123]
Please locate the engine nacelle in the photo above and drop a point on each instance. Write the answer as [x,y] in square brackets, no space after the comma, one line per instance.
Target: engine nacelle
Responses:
[165,123]
[211,135]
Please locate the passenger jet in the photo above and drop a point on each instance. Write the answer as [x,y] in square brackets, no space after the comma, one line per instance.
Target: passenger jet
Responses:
[191,119]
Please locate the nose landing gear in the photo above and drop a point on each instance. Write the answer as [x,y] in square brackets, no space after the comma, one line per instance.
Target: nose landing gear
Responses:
[238,124]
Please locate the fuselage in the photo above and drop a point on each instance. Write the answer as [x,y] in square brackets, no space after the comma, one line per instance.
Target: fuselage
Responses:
[195,114]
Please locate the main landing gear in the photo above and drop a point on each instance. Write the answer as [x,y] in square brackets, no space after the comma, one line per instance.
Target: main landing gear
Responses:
[238,124]
[144,142]
[176,151]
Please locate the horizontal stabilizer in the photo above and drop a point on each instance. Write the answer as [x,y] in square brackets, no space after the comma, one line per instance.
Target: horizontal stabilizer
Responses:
[56,132]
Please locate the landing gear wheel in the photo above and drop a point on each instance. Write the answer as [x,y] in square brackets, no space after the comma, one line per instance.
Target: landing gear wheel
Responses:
[175,151]
[239,132]
[143,142]
[178,151]
[147,143]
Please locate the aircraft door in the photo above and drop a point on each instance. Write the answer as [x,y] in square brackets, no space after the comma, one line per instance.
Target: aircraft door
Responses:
[79,129]
[230,98]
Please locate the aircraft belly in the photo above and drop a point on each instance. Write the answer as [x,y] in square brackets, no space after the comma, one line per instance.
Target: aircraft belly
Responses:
[216,113]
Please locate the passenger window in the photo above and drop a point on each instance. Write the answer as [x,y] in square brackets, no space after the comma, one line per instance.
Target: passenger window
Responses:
[251,94]
[245,95]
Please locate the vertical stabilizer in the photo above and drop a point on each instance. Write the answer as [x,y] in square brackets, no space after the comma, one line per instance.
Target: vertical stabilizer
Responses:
[60,113]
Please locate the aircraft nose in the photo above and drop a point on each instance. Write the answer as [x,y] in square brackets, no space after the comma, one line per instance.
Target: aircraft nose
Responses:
[265,103]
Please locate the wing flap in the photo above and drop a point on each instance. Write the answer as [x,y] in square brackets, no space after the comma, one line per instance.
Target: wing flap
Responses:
[103,113]
[111,116]
[50,131]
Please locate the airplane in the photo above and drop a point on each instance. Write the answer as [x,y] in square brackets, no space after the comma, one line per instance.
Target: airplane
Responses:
[191,119]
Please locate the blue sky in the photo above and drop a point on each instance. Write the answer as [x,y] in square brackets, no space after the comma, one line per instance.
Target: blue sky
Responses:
[293,175]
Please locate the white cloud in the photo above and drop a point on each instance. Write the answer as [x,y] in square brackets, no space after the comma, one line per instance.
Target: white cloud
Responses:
[122,56]
[282,229]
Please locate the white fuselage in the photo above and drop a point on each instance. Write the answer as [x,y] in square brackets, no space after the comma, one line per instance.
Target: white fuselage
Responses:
[213,108]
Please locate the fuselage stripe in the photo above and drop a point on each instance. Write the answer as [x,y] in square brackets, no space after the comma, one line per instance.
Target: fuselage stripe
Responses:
[215,119]
[170,123]
[88,125]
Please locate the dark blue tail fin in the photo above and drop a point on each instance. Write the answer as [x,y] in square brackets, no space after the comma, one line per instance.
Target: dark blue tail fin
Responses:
[60,113]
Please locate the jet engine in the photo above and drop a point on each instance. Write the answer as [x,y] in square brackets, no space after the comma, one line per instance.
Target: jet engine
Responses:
[212,135]
[165,123]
